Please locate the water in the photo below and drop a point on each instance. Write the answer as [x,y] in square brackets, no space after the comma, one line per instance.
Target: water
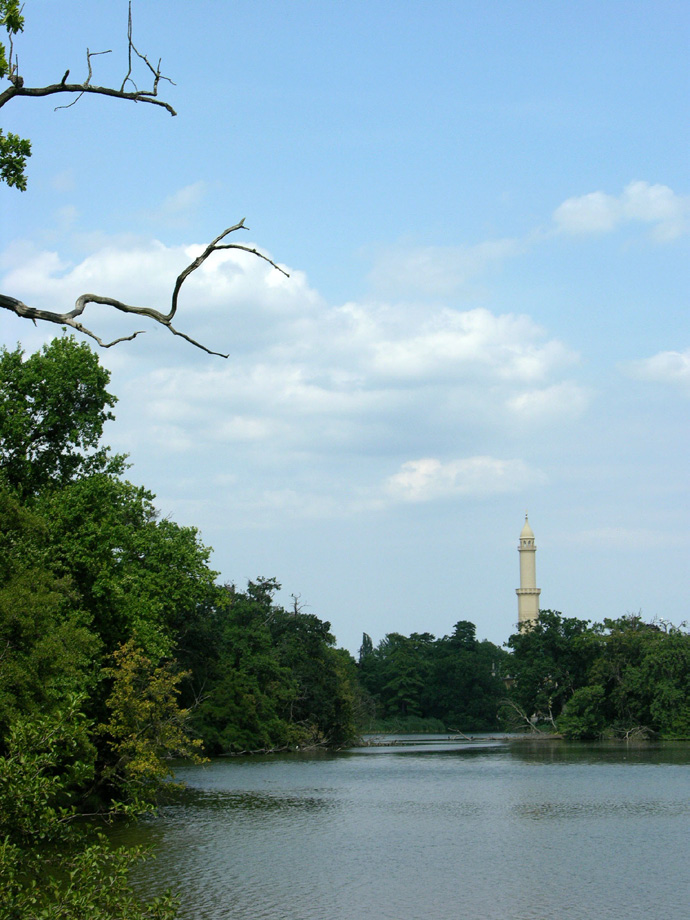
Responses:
[444,831]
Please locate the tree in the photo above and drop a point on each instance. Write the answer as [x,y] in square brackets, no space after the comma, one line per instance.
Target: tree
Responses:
[85,565]
[583,716]
[14,152]
[146,725]
[53,406]
[134,573]
[47,649]
[99,534]
[53,864]
[404,669]
[550,662]
[268,678]
[644,670]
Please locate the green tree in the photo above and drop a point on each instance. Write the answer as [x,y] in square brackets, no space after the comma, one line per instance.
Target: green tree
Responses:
[645,672]
[47,648]
[550,661]
[464,689]
[583,716]
[146,726]
[404,668]
[324,700]
[271,678]
[666,674]
[54,865]
[53,406]
[135,573]
[247,690]
[451,682]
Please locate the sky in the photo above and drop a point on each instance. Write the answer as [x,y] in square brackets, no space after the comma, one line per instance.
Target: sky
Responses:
[484,211]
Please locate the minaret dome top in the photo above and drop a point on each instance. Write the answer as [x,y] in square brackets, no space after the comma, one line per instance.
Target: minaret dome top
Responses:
[526,532]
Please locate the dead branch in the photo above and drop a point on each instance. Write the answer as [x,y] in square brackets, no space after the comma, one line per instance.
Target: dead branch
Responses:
[456,731]
[164,319]
[522,715]
[17,87]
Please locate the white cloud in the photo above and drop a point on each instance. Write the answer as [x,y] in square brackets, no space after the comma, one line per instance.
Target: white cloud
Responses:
[560,401]
[592,213]
[599,212]
[312,384]
[430,271]
[429,479]
[140,273]
[400,344]
[668,367]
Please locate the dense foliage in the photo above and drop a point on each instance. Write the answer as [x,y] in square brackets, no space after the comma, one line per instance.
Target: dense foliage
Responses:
[451,682]
[267,678]
[618,678]
[118,649]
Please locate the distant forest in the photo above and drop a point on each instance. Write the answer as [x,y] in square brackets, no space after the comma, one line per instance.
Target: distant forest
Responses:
[120,649]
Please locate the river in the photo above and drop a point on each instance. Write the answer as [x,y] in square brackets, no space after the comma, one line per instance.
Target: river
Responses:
[439,830]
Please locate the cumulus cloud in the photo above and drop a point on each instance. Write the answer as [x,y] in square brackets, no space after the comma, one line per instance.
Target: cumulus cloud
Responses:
[668,367]
[407,344]
[307,382]
[138,273]
[428,479]
[599,212]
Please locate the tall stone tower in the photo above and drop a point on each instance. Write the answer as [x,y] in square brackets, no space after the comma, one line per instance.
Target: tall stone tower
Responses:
[528,592]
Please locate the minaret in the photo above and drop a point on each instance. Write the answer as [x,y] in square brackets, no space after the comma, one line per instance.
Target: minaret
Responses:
[528,592]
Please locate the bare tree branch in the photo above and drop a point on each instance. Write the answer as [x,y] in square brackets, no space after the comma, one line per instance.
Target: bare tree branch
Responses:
[130,91]
[70,318]
[17,87]
[521,715]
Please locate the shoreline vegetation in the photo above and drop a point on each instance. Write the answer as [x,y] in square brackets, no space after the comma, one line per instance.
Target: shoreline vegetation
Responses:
[120,650]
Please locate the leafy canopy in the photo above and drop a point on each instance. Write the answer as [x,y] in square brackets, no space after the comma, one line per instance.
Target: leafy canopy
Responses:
[53,406]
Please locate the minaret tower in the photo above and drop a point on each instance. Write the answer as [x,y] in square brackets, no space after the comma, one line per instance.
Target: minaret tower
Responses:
[528,592]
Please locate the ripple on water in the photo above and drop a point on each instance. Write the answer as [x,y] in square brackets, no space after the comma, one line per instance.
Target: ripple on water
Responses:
[491,836]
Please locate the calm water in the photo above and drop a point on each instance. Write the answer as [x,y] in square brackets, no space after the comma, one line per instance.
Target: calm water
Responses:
[488,831]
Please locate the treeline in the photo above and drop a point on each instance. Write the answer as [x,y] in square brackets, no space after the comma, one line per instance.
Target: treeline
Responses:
[620,678]
[119,649]
[420,682]
[263,678]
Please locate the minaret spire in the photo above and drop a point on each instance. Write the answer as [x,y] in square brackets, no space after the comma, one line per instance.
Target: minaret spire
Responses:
[528,592]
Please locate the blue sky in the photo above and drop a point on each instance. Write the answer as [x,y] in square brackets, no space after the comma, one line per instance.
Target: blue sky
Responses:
[485,212]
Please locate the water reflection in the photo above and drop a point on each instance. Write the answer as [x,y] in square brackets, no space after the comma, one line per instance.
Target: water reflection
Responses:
[483,831]
[614,752]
